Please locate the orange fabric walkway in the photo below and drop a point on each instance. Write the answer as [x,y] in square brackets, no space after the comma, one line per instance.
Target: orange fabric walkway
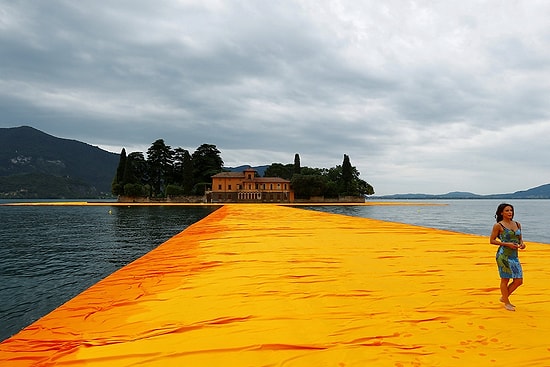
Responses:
[267,285]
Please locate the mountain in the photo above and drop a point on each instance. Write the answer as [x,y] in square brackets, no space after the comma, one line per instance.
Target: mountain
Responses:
[539,192]
[34,164]
[259,169]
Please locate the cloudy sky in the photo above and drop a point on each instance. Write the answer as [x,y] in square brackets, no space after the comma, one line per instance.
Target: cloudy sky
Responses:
[424,96]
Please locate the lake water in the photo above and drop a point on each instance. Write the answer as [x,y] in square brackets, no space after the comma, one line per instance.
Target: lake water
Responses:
[466,216]
[49,254]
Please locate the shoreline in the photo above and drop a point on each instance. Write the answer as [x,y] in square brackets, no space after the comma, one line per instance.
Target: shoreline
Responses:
[116,203]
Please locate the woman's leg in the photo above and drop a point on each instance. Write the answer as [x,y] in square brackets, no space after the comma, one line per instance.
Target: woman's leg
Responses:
[516,282]
[504,290]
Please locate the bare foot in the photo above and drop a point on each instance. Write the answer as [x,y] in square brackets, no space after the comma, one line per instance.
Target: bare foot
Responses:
[502,300]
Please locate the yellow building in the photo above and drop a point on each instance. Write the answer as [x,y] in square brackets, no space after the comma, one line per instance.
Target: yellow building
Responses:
[246,187]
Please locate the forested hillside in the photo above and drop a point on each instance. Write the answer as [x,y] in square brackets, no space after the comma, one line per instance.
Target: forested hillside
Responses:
[34,164]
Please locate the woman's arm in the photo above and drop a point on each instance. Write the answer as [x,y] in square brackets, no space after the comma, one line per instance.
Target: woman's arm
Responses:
[521,244]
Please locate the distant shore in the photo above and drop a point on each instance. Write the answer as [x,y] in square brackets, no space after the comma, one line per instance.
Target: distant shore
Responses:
[116,203]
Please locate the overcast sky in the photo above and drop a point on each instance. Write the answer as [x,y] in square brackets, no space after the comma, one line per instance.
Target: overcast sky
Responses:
[424,96]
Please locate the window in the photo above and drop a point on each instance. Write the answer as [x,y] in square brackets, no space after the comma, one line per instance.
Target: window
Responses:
[219,187]
[229,187]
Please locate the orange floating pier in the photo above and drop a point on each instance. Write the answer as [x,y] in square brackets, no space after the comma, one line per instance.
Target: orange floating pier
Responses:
[268,285]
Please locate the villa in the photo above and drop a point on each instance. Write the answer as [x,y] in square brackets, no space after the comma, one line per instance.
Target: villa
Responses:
[247,187]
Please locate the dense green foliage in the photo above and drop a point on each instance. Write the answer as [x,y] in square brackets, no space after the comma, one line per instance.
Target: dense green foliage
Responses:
[206,163]
[329,183]
[279,170]
[166,171]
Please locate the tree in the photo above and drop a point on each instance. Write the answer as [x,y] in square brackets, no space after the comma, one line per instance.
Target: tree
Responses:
[279,170]
[306,186]
[206,163]
[177,166]
[135,170]
[364,188]
[297,168]
[188,180]
[135,190]
[347,176]
[350,182]
[117,187]
[159,159]
[314,171]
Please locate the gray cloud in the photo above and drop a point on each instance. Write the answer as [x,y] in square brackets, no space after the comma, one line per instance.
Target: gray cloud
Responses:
[423,97]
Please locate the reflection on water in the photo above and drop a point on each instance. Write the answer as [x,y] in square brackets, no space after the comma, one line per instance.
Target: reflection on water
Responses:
[50,254]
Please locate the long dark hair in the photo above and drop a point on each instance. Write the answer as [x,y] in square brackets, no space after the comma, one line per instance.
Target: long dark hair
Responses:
[500,209]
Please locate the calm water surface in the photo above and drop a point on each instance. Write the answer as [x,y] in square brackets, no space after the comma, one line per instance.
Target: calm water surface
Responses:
[466,216]
[50,254]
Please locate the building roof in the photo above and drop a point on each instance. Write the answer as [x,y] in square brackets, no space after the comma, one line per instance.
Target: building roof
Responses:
[229,174]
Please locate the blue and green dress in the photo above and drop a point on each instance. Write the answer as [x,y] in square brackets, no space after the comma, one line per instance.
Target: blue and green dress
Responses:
[507,258]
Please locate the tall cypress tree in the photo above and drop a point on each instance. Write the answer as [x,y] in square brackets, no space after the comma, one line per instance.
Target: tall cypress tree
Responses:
[117,186]
[188,178]
[297,167]
[347,175]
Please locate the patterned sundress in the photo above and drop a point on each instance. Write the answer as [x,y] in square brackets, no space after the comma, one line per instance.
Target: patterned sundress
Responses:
[507,258]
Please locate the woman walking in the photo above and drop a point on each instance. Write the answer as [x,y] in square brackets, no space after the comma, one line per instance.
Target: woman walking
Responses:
[506,235]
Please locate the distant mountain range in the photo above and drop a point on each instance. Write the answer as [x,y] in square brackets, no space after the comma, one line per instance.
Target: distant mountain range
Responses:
[539,192]
[34,164]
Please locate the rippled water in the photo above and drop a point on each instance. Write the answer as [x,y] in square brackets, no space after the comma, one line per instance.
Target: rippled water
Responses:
[466,216]
[50,254]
